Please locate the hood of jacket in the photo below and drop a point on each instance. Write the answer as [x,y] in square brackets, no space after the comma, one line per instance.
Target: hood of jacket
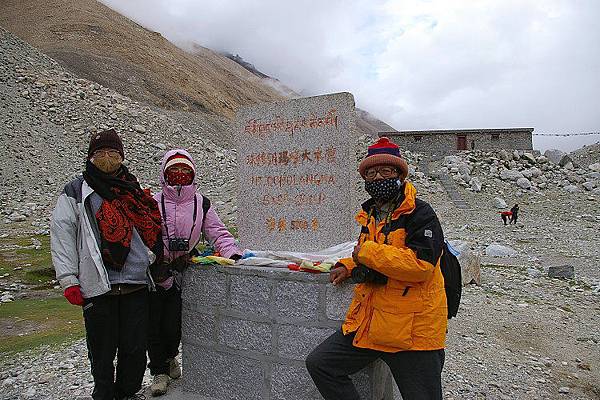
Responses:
[176,205]
[177,193]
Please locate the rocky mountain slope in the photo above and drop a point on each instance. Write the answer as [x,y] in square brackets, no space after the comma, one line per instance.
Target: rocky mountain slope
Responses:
[98,44]
[47,113]
[94,42]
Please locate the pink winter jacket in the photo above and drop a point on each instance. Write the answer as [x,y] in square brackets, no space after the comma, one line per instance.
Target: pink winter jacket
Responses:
[179,210]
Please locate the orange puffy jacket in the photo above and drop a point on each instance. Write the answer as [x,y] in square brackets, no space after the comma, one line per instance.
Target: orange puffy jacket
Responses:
[409,312]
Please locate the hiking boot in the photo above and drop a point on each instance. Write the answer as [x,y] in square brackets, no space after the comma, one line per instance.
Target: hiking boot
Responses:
[174,369]
[137,396]
[159,385]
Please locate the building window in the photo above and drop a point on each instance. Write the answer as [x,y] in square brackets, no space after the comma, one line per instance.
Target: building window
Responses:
[418,138]
[495,136]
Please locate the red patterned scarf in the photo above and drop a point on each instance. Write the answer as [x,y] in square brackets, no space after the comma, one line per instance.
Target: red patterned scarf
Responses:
[125,206]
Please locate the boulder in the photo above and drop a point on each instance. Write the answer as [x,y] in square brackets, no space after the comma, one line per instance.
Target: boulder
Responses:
[533,272]
[499,203]
[561,271]
[535,172]
[554,155]
[510,174]
[475,184]
[470,265]
[595,167]
[571,188]
[529,157]
[498,250]
[588,186]
[449,160]
[503,155]
[139,128]
[524,183]
[565,160]
[464,169]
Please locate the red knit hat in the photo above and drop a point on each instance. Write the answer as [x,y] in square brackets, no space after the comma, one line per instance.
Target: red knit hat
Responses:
[383,152]
[179,159]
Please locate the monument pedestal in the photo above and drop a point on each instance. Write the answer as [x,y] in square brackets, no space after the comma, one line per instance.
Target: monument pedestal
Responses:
[248,330]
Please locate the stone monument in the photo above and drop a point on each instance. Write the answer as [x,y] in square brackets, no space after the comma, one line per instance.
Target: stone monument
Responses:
[297,173]
[247,330]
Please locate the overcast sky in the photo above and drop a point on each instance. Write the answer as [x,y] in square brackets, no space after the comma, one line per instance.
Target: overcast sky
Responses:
[430,64]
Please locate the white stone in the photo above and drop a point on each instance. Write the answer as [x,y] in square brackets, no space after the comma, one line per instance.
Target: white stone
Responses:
[535,172]
[524,183]
[529,157]
[449,160]
[500,203]
[554,155]
[470,265]
[510,174]
[475,184]
[139,128]
[498,250]
[595,167]
[571,188]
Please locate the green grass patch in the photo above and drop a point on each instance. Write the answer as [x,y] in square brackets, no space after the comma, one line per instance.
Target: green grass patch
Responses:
[29,265]
[27,324]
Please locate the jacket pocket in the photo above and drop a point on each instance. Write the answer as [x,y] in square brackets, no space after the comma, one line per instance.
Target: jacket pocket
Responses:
[393,318]
[352,314]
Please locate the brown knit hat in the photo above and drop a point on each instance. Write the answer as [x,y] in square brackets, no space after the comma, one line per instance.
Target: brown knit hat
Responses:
[384,152]
[106,139]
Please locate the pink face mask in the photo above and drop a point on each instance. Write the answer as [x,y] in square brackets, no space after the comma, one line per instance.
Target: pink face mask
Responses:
[179,175]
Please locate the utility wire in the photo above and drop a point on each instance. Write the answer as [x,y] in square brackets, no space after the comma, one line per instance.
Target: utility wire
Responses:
[567,134]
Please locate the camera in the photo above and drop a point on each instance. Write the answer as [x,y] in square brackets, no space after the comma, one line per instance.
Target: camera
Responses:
[364,274]
[179,244]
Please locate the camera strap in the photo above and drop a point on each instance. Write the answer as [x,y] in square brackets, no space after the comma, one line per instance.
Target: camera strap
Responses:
[164,215]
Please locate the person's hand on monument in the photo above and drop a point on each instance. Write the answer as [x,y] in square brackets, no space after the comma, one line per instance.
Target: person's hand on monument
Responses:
[338,274]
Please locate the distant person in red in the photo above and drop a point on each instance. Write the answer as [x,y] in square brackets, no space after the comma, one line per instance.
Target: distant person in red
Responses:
[505,216]
[514,214]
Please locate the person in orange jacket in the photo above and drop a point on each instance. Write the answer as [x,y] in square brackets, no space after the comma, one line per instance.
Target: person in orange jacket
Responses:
[399,310]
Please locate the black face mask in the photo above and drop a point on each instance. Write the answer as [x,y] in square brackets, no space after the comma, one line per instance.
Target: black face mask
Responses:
[384,189]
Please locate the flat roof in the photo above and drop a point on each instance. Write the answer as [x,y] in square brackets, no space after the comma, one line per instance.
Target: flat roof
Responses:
[455,131]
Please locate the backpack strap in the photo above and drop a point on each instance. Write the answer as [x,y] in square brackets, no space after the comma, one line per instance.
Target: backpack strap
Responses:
[205,207]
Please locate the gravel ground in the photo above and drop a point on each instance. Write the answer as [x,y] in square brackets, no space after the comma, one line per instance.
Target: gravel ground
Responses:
[515,337]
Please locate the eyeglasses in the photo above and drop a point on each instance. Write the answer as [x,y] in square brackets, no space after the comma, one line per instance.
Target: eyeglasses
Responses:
[107,152]
[385,172]
[184,170]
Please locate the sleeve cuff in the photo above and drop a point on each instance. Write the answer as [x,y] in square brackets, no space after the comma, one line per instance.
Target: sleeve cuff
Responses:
[68,282]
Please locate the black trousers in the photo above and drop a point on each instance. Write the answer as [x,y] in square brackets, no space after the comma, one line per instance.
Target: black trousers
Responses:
[417,373]
[164,333]
[117,325]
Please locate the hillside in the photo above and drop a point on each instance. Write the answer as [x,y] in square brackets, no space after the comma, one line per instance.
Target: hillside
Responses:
[97,43]
[101,45]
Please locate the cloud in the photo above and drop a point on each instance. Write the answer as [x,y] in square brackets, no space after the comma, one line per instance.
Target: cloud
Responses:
[414,64]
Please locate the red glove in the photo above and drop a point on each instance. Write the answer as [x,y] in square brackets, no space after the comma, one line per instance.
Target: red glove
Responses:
[73,294]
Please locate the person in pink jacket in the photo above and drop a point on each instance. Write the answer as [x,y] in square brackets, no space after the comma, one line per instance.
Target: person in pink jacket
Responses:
[186,216]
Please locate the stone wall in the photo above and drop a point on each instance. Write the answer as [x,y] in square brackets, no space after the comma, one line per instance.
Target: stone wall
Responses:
[446,143]
[247,332]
